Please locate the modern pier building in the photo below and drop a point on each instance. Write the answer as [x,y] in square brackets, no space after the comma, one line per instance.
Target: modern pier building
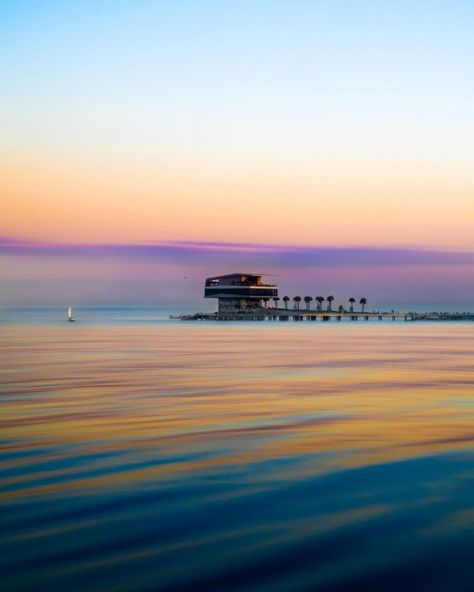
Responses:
[238,292]
[245,297]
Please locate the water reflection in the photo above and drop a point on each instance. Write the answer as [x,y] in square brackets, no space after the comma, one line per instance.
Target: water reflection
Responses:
[237,457]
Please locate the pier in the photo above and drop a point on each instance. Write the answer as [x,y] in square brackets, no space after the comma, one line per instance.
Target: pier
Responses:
[442,316]
[245,297]
[281,314]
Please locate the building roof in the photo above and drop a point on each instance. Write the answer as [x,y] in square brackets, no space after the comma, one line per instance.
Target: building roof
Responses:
[234,275]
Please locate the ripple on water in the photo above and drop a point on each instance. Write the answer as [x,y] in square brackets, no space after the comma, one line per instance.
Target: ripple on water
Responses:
[233,458]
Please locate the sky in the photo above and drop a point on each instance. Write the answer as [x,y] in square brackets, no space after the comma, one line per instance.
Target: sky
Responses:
[312,125]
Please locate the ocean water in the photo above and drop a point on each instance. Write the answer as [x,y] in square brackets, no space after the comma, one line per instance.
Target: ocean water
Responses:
[139,453]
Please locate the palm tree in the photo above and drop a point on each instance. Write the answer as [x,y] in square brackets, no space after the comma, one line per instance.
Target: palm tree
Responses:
[297,300]
[363,301]
[308,300]
[330,300]
[352,301]
[319,300]
[275,300]
[286,299]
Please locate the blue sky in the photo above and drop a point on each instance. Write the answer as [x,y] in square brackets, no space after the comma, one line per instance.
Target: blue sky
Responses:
[83,76]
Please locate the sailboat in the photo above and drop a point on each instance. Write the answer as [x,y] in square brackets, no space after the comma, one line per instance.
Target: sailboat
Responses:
[70,316]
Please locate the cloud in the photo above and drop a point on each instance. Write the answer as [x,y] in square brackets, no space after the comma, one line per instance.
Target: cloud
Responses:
[230,254]
[174,272]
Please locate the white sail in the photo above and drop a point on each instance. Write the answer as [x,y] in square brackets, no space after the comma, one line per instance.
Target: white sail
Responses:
[70,315]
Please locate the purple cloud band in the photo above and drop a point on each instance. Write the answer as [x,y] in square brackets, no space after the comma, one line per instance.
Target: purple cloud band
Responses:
[194,253]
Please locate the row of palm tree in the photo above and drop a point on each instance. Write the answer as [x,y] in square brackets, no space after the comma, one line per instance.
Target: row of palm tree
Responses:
[319,300]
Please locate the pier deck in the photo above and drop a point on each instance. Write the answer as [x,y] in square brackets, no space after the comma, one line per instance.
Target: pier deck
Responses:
[282,314]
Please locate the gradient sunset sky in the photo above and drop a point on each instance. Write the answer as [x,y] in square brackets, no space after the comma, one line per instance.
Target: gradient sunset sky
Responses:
[346,125]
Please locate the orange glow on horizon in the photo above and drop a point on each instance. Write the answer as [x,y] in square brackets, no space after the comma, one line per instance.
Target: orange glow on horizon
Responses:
[87,203]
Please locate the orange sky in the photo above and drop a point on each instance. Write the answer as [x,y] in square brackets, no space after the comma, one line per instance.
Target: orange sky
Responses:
[78,201]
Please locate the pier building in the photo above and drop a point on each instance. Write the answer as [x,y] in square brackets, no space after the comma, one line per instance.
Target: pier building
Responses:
[246,297]
[239,292]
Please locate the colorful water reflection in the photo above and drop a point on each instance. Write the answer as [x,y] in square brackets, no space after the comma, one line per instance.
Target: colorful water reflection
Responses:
[237,457]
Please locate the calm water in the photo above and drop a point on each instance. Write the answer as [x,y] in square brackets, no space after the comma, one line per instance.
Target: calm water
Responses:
[178,456]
